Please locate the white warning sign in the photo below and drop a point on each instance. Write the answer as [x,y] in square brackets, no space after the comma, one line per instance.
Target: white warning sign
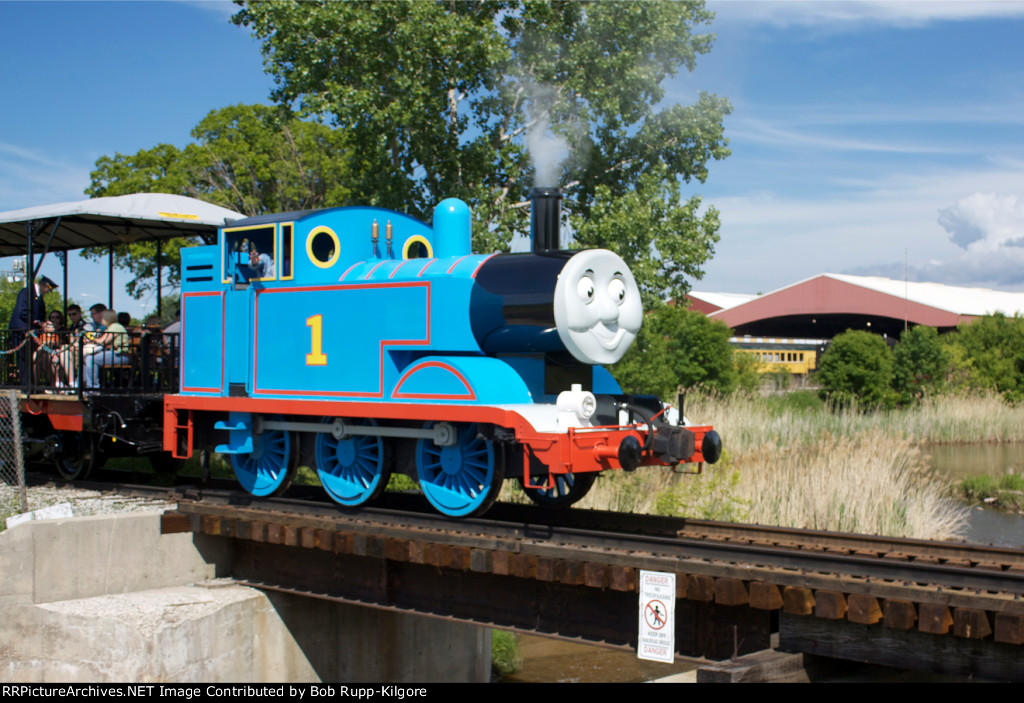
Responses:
[657,640]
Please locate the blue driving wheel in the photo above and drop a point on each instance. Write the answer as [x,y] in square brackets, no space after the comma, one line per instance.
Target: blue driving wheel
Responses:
[568,489]
[463,479]
[352,470]
[268,470]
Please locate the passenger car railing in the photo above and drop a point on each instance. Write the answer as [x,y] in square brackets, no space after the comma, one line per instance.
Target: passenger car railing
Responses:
[138,362]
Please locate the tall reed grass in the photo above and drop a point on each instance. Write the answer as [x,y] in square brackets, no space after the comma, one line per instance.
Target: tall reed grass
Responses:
[747,422]
[870,483]
[844,469]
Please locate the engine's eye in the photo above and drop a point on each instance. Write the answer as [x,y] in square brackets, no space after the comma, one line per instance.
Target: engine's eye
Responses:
[617,290]
[585,288]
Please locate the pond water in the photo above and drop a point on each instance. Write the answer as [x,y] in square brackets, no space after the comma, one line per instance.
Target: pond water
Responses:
[958,461]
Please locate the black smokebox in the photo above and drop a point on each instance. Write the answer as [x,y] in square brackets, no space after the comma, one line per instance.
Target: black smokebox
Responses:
[545,219]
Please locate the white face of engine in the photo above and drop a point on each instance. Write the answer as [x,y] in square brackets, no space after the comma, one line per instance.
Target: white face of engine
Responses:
[597,306]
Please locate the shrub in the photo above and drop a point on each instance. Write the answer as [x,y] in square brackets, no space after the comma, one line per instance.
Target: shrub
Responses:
[678,347]
[857,366]
[994,346]
[505,656]
[920,361]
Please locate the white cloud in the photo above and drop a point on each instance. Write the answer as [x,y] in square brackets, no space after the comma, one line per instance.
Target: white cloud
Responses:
[985,222]
[851,15]
[28,178]
[1002,271]
[794,137]
[989,230]
[769,240]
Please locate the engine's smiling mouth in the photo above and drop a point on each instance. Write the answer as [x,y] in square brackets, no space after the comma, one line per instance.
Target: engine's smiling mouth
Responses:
[609,335]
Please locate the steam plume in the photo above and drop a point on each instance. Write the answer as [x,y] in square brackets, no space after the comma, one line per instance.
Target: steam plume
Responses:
[547,150]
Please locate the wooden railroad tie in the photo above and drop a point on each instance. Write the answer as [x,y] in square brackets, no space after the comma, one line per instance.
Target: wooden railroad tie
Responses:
[900,614]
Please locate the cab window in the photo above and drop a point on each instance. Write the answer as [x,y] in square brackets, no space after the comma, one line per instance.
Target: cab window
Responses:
[249,254]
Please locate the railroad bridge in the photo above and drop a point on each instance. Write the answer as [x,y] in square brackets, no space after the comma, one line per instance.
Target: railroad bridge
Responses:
[927,606]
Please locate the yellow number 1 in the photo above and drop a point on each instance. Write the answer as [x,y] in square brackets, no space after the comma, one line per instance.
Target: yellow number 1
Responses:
[316,356]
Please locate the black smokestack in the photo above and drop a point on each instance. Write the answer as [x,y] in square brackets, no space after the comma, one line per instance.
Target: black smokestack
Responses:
[545,219]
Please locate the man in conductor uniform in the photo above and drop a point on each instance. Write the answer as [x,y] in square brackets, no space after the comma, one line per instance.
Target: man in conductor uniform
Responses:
[22,321]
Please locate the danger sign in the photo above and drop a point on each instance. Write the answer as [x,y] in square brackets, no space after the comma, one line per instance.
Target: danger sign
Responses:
[656,640]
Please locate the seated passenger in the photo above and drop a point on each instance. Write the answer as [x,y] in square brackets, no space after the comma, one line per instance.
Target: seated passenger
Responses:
[112,348]
[47,354]
[173,331]
[96,313]
[175,326]
[77,322]
[65,361]
[152,339]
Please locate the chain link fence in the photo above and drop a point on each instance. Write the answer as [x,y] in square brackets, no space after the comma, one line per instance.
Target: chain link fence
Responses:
[13,496]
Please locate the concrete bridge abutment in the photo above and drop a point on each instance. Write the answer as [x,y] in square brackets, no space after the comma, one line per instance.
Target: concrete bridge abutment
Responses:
[109,598]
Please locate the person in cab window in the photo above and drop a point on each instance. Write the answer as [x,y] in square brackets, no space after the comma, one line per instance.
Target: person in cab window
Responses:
[260,265]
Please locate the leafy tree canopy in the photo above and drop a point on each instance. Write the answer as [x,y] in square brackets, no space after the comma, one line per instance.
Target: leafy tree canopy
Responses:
[444,99]
[249,158]
[675,348]
[920,361]
[858,365]
[994,346]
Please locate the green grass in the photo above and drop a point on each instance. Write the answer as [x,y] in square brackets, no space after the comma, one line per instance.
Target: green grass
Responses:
[797,401]
[1006,491]
[401,482]
[305,476]
[505,656]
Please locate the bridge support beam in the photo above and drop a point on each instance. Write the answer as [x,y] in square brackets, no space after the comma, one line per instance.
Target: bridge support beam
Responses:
[900,648]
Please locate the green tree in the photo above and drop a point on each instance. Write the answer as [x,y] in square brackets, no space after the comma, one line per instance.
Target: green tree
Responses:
[645,367]
[920,361]
[994,347]
[960,374]
[443,99]
[249,158]
[678,348]
[857,365]
[158,170]
[748,371]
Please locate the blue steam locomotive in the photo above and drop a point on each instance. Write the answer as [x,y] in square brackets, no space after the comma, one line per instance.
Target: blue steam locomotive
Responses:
[372,343]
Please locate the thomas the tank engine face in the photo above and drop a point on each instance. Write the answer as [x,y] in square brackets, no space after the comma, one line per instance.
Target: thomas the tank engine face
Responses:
[597,307]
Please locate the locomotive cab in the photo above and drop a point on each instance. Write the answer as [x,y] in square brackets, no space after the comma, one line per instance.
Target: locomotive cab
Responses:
[256,253]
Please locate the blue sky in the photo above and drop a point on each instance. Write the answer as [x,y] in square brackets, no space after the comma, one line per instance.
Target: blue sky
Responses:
[862,132]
